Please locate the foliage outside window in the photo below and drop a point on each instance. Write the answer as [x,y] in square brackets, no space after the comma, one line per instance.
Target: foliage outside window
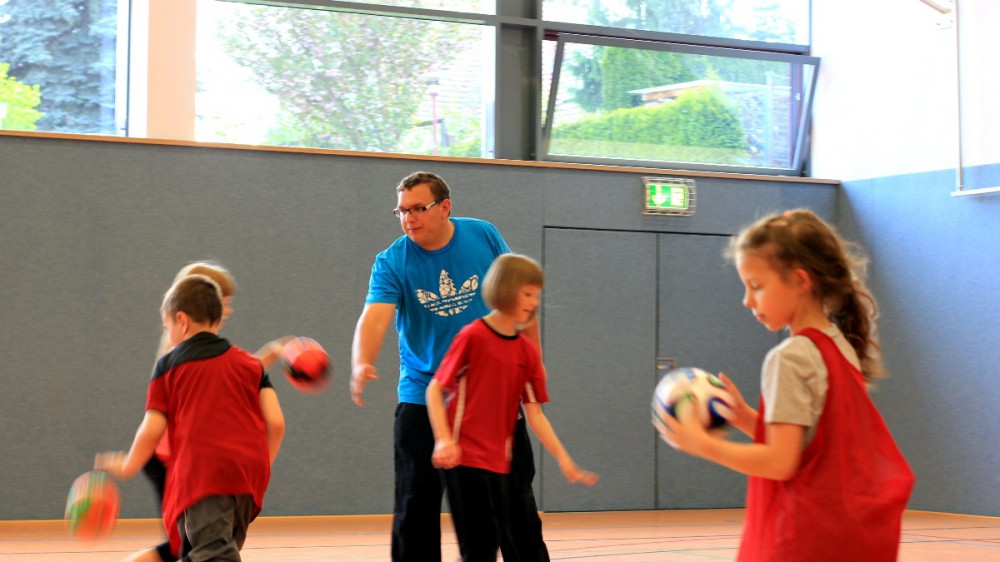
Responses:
[772,21]
[475,6]
[18,102]
[313,78]
[66,50]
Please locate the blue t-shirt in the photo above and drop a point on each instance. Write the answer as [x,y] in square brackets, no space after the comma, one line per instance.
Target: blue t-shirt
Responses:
[436,294]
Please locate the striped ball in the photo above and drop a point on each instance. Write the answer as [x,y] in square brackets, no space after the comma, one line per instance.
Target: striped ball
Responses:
[92,505]
[675,390]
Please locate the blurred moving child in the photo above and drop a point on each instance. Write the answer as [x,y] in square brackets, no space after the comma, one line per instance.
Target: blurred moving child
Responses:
[827,482]
[489,371]
[207,393]
[156,469]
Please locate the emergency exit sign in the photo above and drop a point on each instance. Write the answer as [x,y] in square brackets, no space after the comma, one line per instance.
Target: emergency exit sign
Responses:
[668,196]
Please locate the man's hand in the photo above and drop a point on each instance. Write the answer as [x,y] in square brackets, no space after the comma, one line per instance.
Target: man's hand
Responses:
[360,376]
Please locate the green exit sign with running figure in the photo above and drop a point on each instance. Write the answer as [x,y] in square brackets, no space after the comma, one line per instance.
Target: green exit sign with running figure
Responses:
[668,196]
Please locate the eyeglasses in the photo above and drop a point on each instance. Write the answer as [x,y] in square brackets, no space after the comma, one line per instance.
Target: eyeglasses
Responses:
[415,210]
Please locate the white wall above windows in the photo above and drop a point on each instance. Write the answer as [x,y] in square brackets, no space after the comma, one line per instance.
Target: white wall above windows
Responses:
[887,99]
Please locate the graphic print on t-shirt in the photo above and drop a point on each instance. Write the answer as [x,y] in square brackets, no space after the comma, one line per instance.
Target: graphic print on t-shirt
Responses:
[449,301]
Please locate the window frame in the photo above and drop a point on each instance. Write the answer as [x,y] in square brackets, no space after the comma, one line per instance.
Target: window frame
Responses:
[517,131]
[798,156]
[153,97]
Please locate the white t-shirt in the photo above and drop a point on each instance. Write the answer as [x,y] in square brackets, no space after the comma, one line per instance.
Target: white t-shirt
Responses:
[794,380]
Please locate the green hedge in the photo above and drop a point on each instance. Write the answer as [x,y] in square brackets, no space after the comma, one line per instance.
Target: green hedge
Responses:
[699,119]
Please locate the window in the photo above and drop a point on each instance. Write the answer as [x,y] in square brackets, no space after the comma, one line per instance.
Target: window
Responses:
[325,79]
[59,68]
[652,103]
[475,6]
[689,84]
[771,21]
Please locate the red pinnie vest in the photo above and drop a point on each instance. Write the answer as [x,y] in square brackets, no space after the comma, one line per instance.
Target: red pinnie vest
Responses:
[846,501]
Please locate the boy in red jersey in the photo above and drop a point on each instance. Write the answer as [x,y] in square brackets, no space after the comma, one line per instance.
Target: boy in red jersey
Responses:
[206,392]
[489,370]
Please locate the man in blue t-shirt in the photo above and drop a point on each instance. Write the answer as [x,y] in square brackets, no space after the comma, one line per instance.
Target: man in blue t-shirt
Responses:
[428,281]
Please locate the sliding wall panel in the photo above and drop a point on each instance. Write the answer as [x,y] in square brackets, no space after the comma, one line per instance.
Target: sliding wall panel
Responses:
[598,334]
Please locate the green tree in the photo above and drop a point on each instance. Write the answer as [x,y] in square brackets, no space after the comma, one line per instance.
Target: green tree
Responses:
[587,69]
[346,81]
[710,18]
[772,23]
[625,70]
[67,48]
[19,102]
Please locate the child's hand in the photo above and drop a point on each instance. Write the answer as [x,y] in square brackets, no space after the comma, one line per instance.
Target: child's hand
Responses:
[576,475]
[742,412]
[271,351]
[447,454]
[112,462]
[684,432]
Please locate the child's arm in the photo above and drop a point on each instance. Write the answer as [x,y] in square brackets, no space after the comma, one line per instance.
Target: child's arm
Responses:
[269,353]
[447,453]
[543,430]
[274,417]
[777,459]
[274,420]
[123,465]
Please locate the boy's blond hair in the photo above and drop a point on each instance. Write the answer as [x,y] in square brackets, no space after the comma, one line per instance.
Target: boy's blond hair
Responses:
[505,278]
[215,271]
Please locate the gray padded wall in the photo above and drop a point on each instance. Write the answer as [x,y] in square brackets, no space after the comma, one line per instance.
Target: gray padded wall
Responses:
[935,268]
[94,231]
[616,297]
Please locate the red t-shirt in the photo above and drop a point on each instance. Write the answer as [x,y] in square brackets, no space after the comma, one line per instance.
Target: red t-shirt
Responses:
[847,498]
[486,375]
[209,391]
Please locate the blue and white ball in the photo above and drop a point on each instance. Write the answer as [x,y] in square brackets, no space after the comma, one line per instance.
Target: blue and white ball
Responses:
[673,397]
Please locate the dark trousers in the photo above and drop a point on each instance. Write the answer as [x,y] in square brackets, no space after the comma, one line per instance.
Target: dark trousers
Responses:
[156,472]
[523,542]
[478,501]
[416,522]
[416,513]
[217,527]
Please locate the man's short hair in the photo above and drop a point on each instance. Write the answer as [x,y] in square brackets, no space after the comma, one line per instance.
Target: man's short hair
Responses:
[439,189]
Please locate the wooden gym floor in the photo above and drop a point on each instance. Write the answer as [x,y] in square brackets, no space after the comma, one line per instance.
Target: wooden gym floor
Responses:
[633,536]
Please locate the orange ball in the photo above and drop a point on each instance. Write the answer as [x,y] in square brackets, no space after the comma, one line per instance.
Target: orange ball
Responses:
[306,365]
[92,505]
